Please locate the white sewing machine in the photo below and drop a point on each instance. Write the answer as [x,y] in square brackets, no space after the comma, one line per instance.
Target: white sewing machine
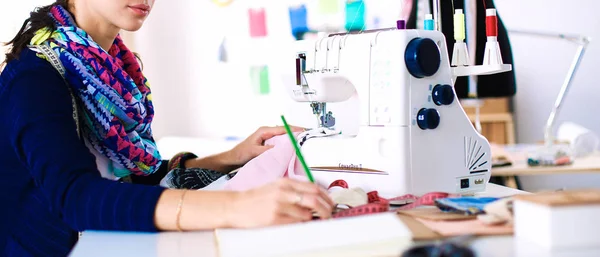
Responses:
[411,134]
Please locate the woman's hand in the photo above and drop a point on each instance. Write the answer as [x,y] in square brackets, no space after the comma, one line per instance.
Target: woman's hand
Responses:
[254,145]
[281,202]
[242,153]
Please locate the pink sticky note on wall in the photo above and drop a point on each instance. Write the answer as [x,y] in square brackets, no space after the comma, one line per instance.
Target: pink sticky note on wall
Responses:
[258,22]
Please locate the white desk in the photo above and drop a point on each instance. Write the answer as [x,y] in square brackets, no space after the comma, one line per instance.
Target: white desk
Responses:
[588,164]
[202,244]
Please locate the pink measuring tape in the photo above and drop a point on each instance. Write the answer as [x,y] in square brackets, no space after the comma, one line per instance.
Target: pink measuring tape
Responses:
[377,204]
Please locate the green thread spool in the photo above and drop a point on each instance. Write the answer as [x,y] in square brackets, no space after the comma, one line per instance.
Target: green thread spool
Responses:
[459,25]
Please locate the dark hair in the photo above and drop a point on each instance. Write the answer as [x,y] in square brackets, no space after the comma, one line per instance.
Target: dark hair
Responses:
[38,19]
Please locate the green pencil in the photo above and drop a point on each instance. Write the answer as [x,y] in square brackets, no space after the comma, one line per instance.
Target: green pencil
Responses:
[298,153]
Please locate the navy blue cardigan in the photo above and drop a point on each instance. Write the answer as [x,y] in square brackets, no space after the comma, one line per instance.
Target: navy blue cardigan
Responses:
[50,187]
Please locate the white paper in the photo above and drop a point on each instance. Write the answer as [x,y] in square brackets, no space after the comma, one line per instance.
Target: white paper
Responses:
[316,236]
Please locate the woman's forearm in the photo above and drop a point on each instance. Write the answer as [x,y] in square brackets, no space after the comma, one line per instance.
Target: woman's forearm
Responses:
[222,162]
[200,210]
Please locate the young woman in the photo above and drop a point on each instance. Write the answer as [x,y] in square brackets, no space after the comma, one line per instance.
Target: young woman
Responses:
[59,177]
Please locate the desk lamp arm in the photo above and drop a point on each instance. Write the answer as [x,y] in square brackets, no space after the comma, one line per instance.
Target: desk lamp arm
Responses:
[582,42]
[548,135]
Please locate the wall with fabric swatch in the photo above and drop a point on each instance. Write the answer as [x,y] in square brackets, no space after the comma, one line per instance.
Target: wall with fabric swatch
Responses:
[208,66]
[202,91]
[541,66]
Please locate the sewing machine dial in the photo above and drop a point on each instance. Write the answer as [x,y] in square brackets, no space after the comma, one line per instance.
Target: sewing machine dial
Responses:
[428,118]
[422,57]
[442,95]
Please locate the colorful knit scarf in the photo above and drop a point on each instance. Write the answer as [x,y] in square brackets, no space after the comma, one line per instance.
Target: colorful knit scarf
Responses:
[113,93]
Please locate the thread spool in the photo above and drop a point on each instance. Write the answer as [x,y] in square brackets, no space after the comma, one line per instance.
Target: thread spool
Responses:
[459,25]
[400,24]
[428,22]
[460,54]
[492,54]
[491,23]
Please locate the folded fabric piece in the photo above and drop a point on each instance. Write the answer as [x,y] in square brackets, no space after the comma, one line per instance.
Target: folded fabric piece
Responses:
[467,205]
[349,197]
[498,212]
[277,162]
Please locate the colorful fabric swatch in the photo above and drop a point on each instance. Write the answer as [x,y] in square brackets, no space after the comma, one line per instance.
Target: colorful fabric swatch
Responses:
[355,15]
[222,3]
[298,21]
[466,205]
[258,22]
[223,51]
[329,6]
[259,76]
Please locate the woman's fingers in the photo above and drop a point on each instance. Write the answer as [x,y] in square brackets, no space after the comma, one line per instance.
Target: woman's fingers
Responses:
[311,188]
[269,132]
[308,199]
[292,210]
[297,129]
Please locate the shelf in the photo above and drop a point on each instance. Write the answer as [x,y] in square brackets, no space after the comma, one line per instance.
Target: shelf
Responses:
[492,117]
[496,127]
[462,71]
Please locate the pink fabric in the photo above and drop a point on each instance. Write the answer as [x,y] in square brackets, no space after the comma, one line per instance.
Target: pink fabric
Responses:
[277,162]
[406,9]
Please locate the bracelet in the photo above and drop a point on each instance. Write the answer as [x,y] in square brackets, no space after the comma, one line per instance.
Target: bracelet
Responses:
[179,207]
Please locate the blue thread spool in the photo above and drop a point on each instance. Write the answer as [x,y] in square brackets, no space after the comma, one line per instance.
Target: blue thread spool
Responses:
[428,22]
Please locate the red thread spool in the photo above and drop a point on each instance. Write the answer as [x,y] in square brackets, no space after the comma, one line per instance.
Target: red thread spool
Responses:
[491,23]
[339,183]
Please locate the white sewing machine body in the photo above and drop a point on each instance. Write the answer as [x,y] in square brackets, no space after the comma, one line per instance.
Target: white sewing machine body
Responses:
[404,141]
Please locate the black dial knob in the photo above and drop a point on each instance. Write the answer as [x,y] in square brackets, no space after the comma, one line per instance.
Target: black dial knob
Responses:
[422,57]
[428,118]
[442,95]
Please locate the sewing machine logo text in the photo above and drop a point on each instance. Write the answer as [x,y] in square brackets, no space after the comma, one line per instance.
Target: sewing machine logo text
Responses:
[303,92]
[350,166]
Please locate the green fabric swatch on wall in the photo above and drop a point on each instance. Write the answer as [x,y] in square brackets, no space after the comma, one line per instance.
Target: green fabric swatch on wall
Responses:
[260,80]
[329,6]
